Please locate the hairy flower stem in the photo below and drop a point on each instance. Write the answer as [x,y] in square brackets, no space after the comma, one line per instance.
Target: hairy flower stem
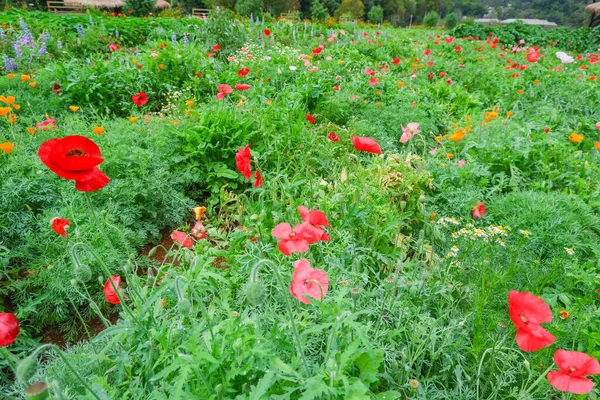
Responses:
[67,363]
[8,356]
[254,278]
[381,311]
[538,380]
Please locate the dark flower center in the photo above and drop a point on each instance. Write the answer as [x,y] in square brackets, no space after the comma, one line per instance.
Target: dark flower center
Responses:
[76,152]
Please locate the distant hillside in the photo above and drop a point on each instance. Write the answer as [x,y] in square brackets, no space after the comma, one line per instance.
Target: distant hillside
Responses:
[563,12]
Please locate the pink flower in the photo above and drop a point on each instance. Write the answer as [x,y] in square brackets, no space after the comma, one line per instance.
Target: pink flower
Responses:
[478,211]
[598,125]
[308,281]
[373,81]
[296,240]
[223,90]
[182,239]
[198,231]
[412,128]
[433,151]
[461,163]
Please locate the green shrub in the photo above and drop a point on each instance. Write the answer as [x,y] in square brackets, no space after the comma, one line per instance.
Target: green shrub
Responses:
[318,12]
[247,7]
[451,21]
[356,8]
[139,8]
[431,19]
[375,14]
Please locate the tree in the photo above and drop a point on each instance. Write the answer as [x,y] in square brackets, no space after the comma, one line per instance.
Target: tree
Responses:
[247,7]
[355,7]
[375,14]
[451,20]
[431,18]
[140,8]
[318,12]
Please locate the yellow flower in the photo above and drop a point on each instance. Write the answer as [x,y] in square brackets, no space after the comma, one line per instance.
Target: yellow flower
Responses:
[509,114]
[414,383]
[189,103]
[74,108]
[199,212]
[134,61]
[269,102]
[31,130]
[25,78]
[32,84]
[133,119]
[98,130]
[175,122]
[7,147]
[576,138]
[468,118]
[12,118]
[341,62]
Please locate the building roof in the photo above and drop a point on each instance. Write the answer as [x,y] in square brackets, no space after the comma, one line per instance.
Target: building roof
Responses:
[539,22]
[593,8]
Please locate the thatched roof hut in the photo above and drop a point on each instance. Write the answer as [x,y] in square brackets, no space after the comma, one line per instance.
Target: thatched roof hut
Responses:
[594,8]
[160,4]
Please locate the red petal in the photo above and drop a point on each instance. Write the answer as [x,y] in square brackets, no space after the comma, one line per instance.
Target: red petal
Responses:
[96,181]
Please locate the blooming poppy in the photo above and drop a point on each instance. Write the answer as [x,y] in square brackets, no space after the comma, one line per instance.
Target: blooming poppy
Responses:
[198,231]
[56,89]
[109,291]
[60,226]
[533,56]
[242,86]
[223,90]
[98,130]
[267,32]
[114,47]
[31,130]
[10,100]
[133,119]
[308,281]
[47,124]
[310,118]
[199,212]
[478,211]
[296,240]
[317,51]
[367,144]
[242,162]
[10,76]
[258,179]
[574,366]
[598,125]
[25,78]
[412,128]
[243,72]
[396,61]
[139,99]
[9,328]
[4,111]
[182,239]
[528,312]
[216,47]
[75,158]
[333,137]
[74,108]
[575,137]
[373,81]
[7,147]
[317,219]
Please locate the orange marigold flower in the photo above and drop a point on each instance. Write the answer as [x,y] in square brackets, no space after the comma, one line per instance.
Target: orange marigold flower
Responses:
[576,138]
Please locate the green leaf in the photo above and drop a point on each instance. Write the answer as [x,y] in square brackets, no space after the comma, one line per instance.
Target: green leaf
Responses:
[260,390]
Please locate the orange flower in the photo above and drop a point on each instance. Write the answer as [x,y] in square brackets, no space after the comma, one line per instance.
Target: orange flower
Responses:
[25,78]
[458,135]
[537,81]
[74,108]
[597,145]
[449,156]
[564,314]
[134,61]
[492,114]
[4,111]
[576,138]
[161,66]
[377,104]
[438,138]
[400,84]
[269,102]
[175,122]
[133,119]
[509,114]
[199,212]
[32,84]
[468,128]
[10,76]
[341,62]
[98,130]
[7,147]
[10,100]
[520,91]
[31,130]
[189,103]
[12,118]
[468,118]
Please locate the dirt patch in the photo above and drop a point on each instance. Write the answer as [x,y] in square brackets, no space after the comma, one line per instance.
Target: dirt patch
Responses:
[160,255]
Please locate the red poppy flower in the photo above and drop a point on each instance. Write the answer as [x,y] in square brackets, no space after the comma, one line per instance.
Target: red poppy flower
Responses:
[573,367]
[60,226]
[109,292]
[216,47]
[223,90]
[298,239]
[478,211]
[533,56]
[427,52]
[242,86]
[317,51]
[243,72]
[258,179]
[373,81]
[528,312]
[182,239]
[139,99]
[267,32]
[114,47]
[198,231]
[9,328]
[308,281]
[75,158]
[336,87]
[333,137]
[56,89]
[367,144]
[310,118]
[242,162]
[396,61]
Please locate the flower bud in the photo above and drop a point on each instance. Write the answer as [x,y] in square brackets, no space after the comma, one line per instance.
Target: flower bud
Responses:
[185,306]
[389,282]
[37,391]
[26,369]
[355,293]
[255,292]
[83,273]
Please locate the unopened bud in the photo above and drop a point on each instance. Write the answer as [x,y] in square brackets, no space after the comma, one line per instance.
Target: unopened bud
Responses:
[255,292]
[185,306]
[26,369]
[355,293]
[37,391]
[389,282]
[83,273]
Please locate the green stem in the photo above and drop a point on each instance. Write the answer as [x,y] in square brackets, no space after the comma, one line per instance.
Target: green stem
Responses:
[381,312]
[538,380]
[8,356]
[273,266]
